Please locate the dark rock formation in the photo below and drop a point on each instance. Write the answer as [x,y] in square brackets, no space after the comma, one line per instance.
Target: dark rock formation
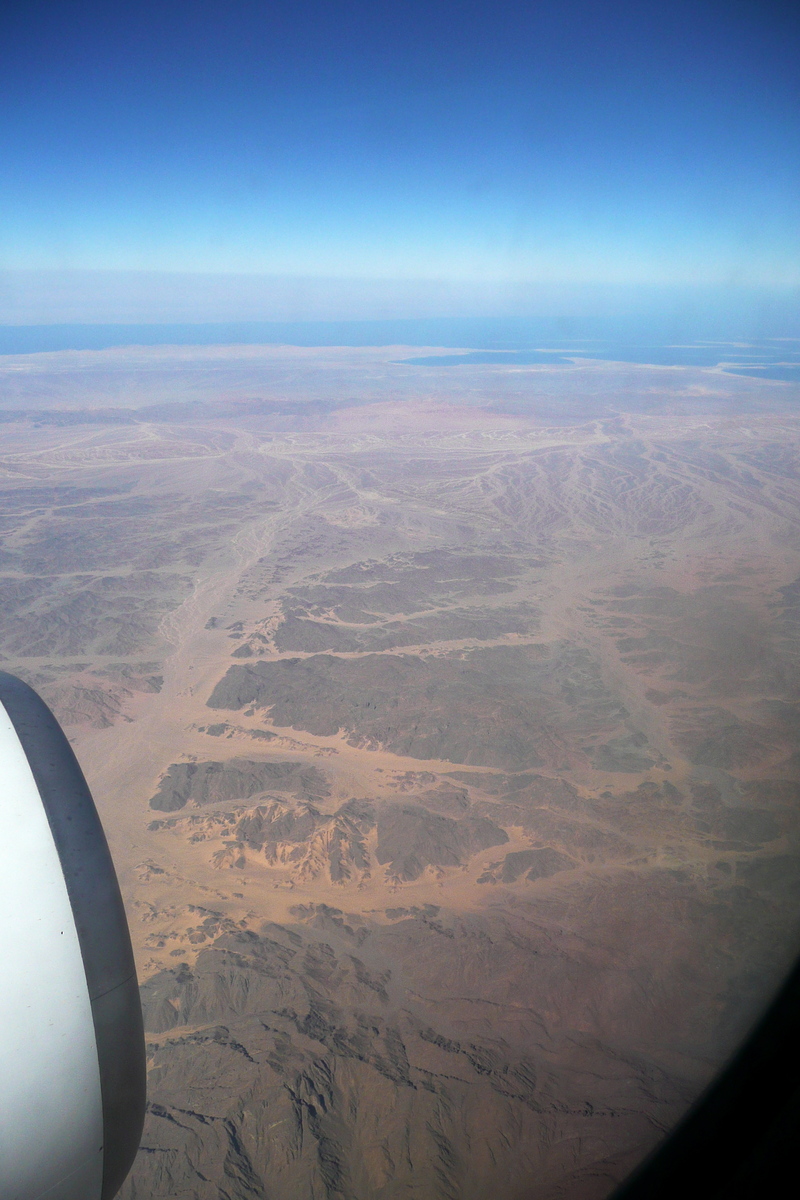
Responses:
[538,863]
[411,838]
[489,707]
[236,779]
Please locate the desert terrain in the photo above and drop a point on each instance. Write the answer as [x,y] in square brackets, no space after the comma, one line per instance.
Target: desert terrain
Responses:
[443,722]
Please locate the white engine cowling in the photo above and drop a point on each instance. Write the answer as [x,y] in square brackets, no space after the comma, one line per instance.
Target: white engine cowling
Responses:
[72,1066]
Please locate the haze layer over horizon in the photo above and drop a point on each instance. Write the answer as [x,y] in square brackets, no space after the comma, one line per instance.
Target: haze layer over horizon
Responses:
[313,162]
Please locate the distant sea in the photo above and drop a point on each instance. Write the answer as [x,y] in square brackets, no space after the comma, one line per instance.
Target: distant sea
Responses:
[491,341]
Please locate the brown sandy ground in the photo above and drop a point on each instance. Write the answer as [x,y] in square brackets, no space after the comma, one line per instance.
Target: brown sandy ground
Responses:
[444,726]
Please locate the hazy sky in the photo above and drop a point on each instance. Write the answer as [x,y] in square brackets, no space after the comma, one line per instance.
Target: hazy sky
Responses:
[517,144]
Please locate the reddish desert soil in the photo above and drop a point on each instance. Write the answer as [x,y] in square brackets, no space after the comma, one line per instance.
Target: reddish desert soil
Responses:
[444,726]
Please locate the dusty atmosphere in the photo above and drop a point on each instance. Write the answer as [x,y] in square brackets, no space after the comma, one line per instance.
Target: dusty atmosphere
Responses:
[443,722]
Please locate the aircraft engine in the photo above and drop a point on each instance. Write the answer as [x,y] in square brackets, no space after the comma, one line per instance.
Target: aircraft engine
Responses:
[72,1064]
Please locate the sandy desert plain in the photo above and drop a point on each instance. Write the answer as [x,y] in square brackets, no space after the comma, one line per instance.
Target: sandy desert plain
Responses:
[443,721]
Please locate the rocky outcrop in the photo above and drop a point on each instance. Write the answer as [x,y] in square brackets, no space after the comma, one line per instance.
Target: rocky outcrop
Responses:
[236,779]
[496,706]
[410,838]
[538,863]
[307,1061]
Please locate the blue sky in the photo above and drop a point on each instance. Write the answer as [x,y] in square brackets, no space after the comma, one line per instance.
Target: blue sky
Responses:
[474,146]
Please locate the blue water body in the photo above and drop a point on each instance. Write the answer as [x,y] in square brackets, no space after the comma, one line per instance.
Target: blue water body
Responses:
[519,341]
[480,334]
[787,374]
[699,355]
[500,357]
